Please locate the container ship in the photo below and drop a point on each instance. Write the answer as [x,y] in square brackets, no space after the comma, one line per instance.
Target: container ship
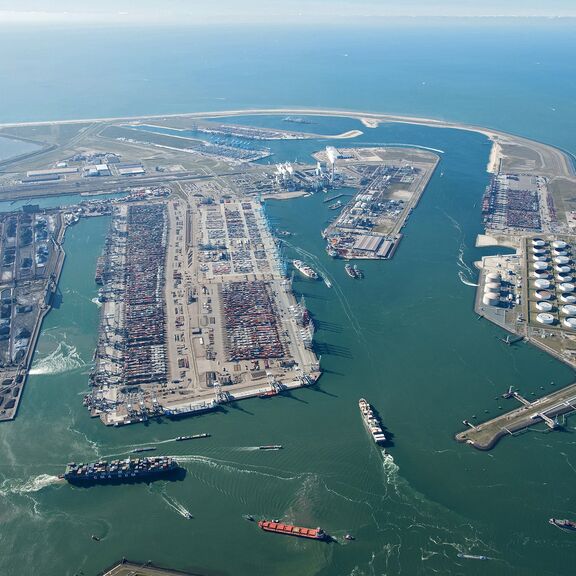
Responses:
[371,422]
[353,272]
[566,524]
[305,269]
[288,529]
[127,470]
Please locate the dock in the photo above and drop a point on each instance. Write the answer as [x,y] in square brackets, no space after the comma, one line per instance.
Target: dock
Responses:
[485,436]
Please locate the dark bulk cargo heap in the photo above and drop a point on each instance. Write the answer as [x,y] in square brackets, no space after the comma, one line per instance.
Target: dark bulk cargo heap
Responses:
[128,470]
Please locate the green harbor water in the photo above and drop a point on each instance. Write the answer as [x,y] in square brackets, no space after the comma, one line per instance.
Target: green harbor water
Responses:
[405,338]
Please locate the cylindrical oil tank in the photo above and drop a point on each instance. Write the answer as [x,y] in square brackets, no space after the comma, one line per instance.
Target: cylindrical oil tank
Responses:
[542,284]
[569,323]
[559,244]
[544,275]
[566,287]
[544,306]
[568,298]
[540,266]
[538,258]
[563,269]
[492,287]
[569,310]
[543,295]
[564,278]
[561,260]
[493,277]
[545,318]
[538,242]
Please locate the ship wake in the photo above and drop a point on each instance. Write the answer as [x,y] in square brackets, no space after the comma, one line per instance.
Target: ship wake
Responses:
[64,359]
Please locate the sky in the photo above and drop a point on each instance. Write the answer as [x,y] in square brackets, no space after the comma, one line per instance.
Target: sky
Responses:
[271,11]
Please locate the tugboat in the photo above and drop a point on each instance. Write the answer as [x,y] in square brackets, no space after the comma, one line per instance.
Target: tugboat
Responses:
[305,269]
[289,530]
[351,271]
[371,422]
[564,524]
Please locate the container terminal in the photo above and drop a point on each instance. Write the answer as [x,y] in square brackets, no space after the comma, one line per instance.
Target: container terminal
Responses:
[197,311]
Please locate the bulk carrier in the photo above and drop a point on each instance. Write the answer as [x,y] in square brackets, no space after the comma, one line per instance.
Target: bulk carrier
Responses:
[128,470]
[371,422]
[289,530]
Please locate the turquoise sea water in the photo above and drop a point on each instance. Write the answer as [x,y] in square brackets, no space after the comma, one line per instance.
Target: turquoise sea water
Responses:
[406,338]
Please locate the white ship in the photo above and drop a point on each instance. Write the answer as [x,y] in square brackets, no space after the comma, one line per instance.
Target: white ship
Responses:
[305,269]
[371,422]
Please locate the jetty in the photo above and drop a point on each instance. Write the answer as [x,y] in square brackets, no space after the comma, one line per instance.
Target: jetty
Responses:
[485,436]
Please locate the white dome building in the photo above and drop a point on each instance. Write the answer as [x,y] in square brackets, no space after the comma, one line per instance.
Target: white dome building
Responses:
[491,299]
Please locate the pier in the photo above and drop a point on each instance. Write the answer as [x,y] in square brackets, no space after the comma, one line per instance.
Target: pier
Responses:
[484,436]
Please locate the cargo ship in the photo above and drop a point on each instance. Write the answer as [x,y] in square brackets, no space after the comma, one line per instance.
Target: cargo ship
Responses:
[371,422]
[128,470]
[288,529]
[192,437]
[270,447]
[144,449]
[566,524]
[305,269]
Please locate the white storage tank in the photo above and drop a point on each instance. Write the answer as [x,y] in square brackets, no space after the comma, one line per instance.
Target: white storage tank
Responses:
[538,251]
[569,310]
[545,318]
[559,244]
[569,323]
[540,266]
[543,295]
[561,260]
[544,306]
[566,287]
[544,275]
[564,278]
[568,298]
[491,299]
[538,242]
[563,269]
[542,284]
[558,252]
[493,277]
[492,287]
[540,258]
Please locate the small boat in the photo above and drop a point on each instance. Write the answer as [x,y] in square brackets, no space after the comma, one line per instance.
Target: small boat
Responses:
[248,517]
[144,449]
[95,538]
[270,447]
[268,393]
[187,515]
[472,557]
[349,537]
[564,524]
